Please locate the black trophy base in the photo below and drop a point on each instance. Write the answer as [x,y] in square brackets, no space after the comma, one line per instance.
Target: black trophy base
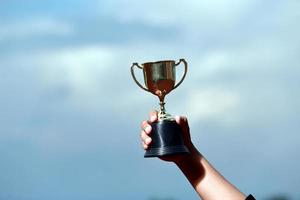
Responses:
[166,140]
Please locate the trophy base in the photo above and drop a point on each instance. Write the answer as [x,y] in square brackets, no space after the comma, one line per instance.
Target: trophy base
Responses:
[166,140]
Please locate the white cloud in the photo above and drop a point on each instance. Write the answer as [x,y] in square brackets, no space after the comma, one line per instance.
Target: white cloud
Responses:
[217,104]
[32,27]
[213,62]
[82,70]
[192,14]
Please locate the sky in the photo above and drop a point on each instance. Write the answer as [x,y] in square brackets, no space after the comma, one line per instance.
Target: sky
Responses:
[70,112]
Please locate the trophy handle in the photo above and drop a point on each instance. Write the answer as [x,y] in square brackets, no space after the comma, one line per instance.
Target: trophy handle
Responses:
[134,78]
[185,70]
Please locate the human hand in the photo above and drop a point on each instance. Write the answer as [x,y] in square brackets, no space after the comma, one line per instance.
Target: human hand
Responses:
[206,180]
[182,121]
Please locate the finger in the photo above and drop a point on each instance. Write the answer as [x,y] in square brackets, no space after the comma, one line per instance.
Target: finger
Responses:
[144,124]
[146,127]
[153,116]
[145,146]
[145,138]
[183,122]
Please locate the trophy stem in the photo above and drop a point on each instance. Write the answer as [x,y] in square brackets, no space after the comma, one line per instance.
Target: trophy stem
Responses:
[162,107]
[163,115]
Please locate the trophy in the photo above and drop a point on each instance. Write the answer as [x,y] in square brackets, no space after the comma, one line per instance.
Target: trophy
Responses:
[159,77]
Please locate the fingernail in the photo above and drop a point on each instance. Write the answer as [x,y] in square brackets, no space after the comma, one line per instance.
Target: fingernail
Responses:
[148,129]
[148,140]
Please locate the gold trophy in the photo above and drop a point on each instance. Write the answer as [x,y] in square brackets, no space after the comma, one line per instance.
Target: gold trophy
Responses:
[160,80]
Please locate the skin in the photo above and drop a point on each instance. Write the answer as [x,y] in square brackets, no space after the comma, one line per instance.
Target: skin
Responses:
[206,180]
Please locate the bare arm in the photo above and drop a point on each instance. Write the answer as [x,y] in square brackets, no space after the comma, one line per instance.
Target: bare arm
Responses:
[206,180]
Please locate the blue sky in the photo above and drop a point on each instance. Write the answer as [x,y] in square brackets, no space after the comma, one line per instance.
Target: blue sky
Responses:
[70,112]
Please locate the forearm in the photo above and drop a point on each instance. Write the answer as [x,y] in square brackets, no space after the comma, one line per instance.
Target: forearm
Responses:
[207,181]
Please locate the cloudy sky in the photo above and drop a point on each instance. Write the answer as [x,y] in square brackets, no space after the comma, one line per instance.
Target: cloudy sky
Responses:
[70,111]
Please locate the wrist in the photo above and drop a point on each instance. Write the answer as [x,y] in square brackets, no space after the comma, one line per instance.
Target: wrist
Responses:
[193,156]
[192,167]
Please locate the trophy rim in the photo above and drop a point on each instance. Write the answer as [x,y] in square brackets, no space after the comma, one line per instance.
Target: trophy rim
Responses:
[160,61]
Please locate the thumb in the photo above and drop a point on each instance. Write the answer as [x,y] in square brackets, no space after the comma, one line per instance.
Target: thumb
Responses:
[183,122]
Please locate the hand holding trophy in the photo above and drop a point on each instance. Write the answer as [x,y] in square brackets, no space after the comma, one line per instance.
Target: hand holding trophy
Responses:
[160,80]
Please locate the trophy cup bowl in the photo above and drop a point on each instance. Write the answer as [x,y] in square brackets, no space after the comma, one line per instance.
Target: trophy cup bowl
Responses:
[160,78]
